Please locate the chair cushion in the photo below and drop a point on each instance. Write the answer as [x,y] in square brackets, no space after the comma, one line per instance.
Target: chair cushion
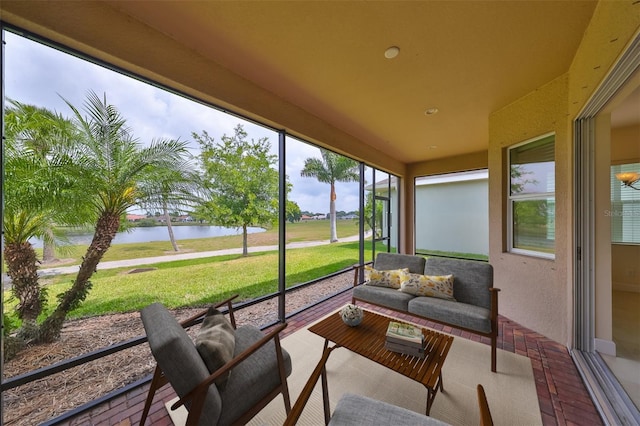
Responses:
[392,278]
[178,358]
[253,378]
[215,342]
[354,410]
[440,286]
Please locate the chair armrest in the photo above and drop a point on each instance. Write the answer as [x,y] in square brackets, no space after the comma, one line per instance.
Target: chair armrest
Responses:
[194,319]
[485,413]
[198,393]
[298,407]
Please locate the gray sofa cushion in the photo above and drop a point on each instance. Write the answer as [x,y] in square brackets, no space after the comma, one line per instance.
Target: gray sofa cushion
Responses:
[253,378]
[451,312]
[178,358]
[393,298]
[472,279]
[388,261]
[353,410]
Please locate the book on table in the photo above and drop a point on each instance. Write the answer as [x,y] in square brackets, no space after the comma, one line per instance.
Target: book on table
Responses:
[404,349]
[405,334]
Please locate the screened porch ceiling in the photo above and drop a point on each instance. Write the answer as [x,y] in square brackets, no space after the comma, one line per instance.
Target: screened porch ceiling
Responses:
[288,64]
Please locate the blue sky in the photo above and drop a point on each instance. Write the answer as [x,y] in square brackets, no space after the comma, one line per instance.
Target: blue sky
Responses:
[43,76]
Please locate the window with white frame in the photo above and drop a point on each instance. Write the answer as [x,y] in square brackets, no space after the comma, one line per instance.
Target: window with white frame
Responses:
[532,200]
[625,207]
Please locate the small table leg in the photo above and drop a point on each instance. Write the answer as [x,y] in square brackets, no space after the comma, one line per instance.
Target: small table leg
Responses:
[431,393]
[325,397]
[325,390]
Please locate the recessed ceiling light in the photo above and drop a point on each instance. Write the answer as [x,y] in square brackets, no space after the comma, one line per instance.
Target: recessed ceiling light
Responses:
[431,111]
[391,52]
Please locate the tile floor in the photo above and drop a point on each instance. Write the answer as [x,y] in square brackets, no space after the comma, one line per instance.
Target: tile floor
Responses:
[562,397]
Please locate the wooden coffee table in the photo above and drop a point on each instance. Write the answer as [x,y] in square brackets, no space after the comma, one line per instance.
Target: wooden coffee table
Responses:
[368,339]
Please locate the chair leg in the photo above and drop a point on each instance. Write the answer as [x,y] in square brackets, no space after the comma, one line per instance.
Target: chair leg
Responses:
[157,382]
[494,361]
[283,375]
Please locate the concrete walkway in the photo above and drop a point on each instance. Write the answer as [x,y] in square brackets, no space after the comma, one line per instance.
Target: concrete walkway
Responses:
[182,256]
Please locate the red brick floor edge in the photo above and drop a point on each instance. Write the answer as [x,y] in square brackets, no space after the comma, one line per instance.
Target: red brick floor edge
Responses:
[562,396]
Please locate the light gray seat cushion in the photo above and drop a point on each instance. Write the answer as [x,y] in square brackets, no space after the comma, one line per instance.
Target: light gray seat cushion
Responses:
[253,378]
[452,312]
[385,296]
[177,356]
[354,410]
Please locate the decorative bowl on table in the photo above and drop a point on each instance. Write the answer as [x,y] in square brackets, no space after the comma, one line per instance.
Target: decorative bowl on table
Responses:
[352,315]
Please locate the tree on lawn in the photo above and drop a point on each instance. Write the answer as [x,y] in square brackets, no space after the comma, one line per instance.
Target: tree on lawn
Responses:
[240,182]
[293,212]
[171,190]
[110,167]
[330,169]
[37,196]
[371,219]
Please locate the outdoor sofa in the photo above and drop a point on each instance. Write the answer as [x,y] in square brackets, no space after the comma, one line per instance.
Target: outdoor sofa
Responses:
[470,303]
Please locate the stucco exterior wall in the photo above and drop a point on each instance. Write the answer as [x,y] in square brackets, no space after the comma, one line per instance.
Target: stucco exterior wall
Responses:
[533,289]
[613,26]
[535,292]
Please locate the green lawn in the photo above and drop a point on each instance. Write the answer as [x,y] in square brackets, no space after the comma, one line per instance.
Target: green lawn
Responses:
[198,282]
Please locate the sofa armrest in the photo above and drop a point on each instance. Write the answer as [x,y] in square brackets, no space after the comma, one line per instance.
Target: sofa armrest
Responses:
[356,273]
[494,305]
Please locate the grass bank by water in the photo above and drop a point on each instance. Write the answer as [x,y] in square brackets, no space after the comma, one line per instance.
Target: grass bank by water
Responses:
[313,230]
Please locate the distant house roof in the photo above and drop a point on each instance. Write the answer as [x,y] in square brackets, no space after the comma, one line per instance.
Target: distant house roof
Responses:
[135,217]
[453,177]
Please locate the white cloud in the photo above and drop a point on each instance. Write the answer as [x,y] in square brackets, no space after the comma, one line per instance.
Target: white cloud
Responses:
[39,75]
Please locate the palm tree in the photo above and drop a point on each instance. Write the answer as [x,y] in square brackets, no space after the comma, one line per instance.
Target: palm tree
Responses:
[109,165]
[171,190]
[36,142]
[331,169]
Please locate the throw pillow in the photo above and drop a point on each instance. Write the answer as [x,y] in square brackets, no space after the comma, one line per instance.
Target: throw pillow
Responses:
[440,286]
[390,279]
[216,341]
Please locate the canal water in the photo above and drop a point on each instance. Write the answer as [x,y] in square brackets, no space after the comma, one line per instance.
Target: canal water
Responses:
[160,233]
